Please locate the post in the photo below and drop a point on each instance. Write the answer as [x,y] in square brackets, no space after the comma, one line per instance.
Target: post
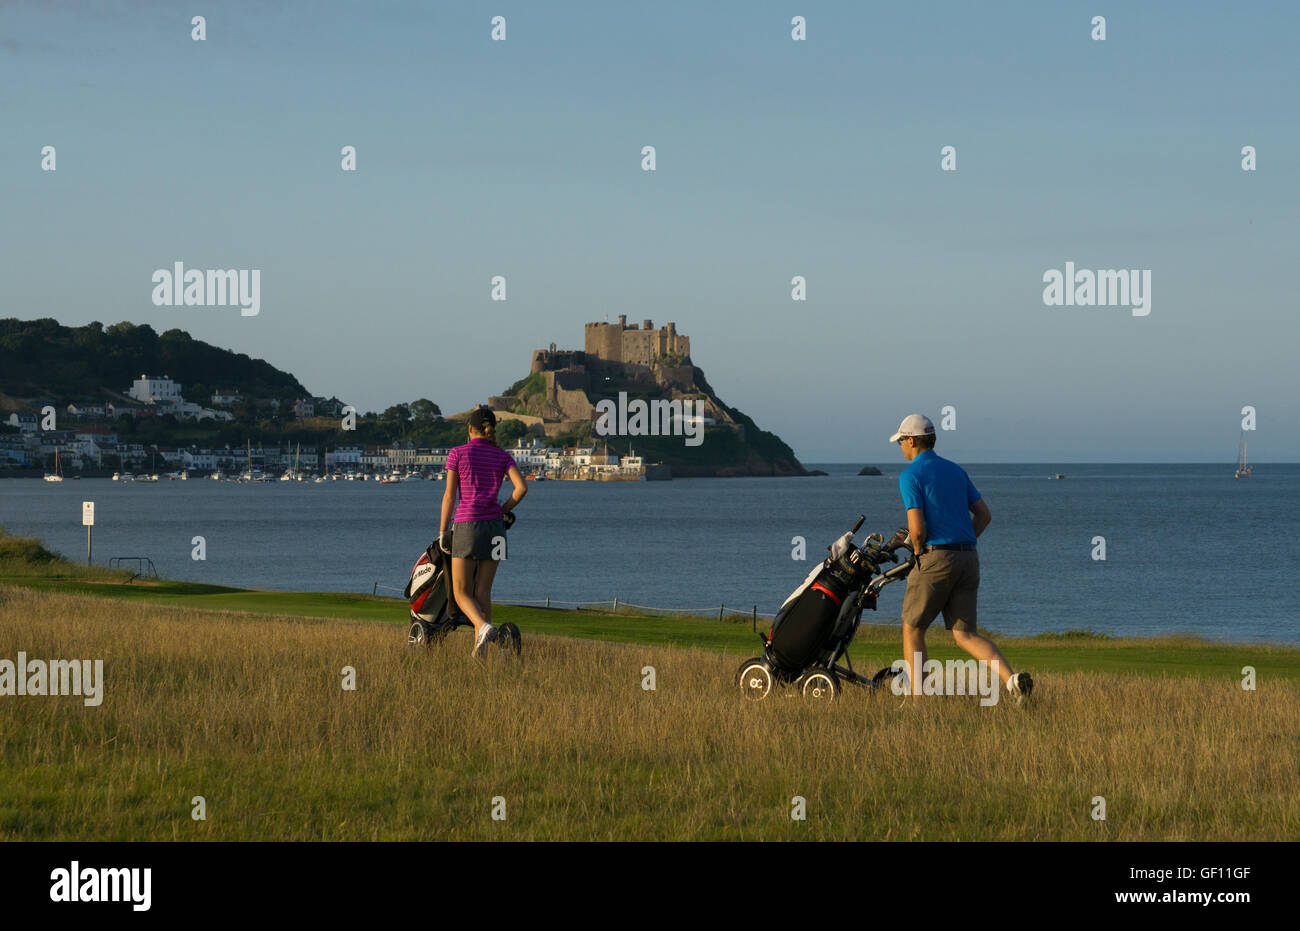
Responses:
[375,590]
[616,604]
[548,601]
[88,519]
[720,607]
[754,623]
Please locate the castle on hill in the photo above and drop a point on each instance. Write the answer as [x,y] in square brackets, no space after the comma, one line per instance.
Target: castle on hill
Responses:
[619,344]
[658,360]
[632,345]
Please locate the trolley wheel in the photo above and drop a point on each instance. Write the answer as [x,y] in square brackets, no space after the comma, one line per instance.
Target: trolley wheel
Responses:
[509,639]
[417,636]
[820,685]
[754,679]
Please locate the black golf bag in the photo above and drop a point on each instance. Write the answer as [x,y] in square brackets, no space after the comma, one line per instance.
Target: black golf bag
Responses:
[815,625]
[433,606]
[434,612]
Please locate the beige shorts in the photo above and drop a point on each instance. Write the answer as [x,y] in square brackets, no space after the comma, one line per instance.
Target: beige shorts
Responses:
[944,581]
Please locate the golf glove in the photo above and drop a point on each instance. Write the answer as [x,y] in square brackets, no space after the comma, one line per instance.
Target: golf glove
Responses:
[444,542]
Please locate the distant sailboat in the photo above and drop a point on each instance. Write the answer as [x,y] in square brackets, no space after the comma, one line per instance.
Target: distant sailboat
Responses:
[1243,467]
[57,474]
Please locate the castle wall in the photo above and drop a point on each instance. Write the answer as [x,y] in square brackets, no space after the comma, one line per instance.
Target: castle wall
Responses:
[604,341]
[549,359]
[639,344]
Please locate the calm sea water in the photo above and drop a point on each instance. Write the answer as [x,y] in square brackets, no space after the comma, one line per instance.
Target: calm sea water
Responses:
[1188,548]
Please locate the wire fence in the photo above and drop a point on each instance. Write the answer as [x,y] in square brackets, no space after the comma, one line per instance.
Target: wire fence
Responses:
[719,612]
[735,614]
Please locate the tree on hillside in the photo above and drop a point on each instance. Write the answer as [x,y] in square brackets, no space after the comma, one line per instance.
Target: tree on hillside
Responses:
[396,419]
[510,430]
[424,412]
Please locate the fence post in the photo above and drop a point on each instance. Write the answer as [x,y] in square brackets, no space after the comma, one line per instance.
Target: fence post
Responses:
[754,623]
[720,607]
[548,601]
[616,604]
[375,590]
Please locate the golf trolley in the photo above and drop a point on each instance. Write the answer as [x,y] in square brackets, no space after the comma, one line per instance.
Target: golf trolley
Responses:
[434,613]
[816,624]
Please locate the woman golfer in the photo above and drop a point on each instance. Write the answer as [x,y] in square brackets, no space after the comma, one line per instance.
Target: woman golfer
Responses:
[477,539]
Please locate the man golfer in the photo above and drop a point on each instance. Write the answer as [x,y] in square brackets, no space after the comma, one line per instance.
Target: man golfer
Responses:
[940,500]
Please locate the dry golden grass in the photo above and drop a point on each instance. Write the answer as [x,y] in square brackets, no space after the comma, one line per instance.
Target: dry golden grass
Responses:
[248,711]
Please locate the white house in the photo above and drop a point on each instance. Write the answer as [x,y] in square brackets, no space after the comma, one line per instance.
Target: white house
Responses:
[375,457]
[531,452]
[154,390]
[195,458]
[28,423]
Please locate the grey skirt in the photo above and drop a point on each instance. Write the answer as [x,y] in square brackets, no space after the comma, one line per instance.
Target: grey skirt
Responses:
[478,539]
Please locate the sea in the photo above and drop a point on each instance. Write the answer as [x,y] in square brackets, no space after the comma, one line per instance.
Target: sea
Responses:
[1187,548]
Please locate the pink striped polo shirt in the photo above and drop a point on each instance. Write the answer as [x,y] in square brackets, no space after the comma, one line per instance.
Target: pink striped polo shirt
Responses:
[481,467]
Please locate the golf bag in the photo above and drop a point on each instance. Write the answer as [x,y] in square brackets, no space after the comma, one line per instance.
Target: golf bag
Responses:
[816,623]
[434,612]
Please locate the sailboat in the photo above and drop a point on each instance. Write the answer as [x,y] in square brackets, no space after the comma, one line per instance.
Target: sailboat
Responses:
[57,474]
[1243,467]
[248,472]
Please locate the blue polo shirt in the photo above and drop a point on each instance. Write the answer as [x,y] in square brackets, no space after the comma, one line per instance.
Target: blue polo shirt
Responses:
[943,490]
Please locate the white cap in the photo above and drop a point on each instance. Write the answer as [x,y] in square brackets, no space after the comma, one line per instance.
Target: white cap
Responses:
[914,425]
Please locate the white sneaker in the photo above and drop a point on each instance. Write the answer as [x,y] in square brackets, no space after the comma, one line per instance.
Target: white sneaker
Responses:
[486,634]
[1021,685]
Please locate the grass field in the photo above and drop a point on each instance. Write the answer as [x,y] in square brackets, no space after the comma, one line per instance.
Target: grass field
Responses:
[237,697]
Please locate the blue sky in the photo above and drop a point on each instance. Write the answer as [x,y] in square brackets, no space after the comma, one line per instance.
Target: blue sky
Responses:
[775,158]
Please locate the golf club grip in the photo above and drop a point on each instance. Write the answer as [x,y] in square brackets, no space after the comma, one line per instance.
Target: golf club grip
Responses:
[861,518]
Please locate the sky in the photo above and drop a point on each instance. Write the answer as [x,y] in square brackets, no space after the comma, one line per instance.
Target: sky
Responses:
[775,158]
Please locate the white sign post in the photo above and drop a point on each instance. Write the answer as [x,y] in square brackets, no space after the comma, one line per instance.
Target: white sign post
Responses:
[88,518]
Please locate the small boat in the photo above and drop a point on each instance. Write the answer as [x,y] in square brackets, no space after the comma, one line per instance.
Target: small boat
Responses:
[57,474]
[1243,467]
[1057,475]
